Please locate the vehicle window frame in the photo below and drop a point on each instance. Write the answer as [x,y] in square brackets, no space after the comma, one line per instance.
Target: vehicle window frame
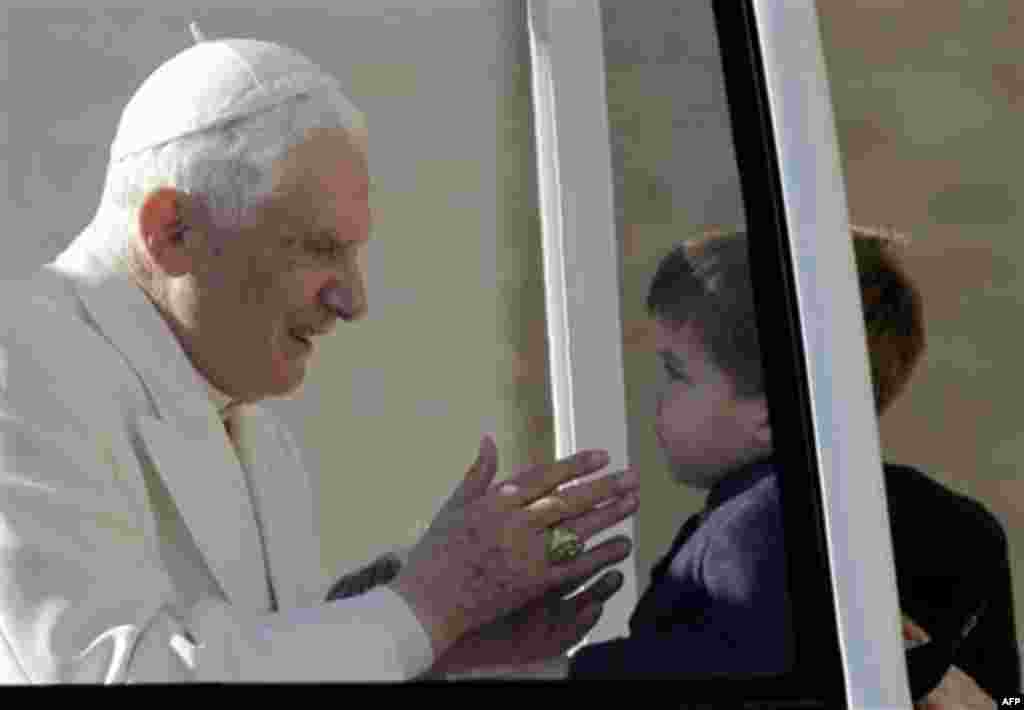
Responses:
[839,551]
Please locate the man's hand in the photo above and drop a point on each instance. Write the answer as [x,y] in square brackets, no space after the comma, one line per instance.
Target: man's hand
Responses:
[484,556]
[542,630]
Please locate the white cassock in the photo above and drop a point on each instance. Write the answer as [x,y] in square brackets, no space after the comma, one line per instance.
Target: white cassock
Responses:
[136,544]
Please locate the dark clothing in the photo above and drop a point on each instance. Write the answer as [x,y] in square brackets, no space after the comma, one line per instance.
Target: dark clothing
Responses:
[718,602]
[951,553]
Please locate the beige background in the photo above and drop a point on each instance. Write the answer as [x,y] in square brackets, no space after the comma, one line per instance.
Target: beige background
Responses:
[928,101]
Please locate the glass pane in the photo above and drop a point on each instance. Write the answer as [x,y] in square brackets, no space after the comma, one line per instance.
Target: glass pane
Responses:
[713,589]
[927,101]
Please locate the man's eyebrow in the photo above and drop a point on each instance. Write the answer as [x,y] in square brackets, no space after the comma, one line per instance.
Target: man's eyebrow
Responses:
[329,234]
[321,237]
[321,244]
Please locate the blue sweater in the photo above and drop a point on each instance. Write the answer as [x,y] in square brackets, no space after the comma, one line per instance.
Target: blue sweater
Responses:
[718,601]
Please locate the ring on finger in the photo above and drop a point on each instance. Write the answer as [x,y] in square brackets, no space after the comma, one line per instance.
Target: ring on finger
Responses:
[562,544]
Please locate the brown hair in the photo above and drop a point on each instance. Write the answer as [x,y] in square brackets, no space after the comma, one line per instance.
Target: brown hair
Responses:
[705,282]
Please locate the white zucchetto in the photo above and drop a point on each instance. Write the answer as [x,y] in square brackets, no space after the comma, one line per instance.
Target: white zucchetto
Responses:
[217,81]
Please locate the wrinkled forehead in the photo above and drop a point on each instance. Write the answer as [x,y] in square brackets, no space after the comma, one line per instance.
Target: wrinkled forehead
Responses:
[326,154]
[321,178]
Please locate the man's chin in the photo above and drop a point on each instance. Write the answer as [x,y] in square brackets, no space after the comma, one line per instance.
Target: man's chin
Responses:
[287,384]
[292,387]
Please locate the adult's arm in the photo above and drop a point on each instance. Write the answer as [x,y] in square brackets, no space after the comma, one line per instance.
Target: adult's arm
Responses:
[83,595]
[84,598]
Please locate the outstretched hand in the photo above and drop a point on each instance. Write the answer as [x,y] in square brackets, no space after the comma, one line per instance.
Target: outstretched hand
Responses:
[484,555]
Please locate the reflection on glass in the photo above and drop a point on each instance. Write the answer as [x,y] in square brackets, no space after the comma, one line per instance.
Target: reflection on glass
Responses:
[711,554]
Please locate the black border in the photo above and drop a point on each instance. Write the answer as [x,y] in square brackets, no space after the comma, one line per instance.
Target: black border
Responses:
[818,675]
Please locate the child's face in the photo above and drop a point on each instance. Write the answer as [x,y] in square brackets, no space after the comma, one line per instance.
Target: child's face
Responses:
[703,428]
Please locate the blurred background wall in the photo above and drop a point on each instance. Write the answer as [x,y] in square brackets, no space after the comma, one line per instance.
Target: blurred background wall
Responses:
[929,102]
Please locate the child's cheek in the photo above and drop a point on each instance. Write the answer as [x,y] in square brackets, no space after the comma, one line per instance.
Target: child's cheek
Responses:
[257,286]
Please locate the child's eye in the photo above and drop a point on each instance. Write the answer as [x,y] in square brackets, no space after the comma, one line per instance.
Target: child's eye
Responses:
[674,374]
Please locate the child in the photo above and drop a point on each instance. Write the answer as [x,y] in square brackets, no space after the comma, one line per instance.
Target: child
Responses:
[718,601]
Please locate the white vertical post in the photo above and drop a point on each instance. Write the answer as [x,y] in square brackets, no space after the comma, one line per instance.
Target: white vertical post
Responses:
[581,270]
[842,403]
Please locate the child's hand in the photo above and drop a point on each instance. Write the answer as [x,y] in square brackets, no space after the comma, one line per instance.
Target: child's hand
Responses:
[957,690]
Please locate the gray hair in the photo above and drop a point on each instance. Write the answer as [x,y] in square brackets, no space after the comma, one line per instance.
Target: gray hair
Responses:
[230,167]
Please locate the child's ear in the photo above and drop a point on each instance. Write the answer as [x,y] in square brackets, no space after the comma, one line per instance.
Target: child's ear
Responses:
[762,425]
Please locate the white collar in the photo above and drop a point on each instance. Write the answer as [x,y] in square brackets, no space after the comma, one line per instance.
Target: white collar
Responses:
[221,401]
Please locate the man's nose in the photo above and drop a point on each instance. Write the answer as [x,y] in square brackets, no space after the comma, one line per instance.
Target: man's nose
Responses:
[347,301]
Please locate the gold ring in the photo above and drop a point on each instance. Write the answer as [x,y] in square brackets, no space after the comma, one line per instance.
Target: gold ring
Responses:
[563,545]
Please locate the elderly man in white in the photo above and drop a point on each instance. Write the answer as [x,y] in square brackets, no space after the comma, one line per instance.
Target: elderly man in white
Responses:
[154,519]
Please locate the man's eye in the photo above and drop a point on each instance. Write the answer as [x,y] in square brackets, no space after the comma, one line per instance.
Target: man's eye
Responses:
[325,249]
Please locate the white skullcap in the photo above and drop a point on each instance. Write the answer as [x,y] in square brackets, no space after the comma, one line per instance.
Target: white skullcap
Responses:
[214,82]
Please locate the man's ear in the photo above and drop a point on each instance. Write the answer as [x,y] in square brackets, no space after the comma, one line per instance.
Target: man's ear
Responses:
[161,231]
